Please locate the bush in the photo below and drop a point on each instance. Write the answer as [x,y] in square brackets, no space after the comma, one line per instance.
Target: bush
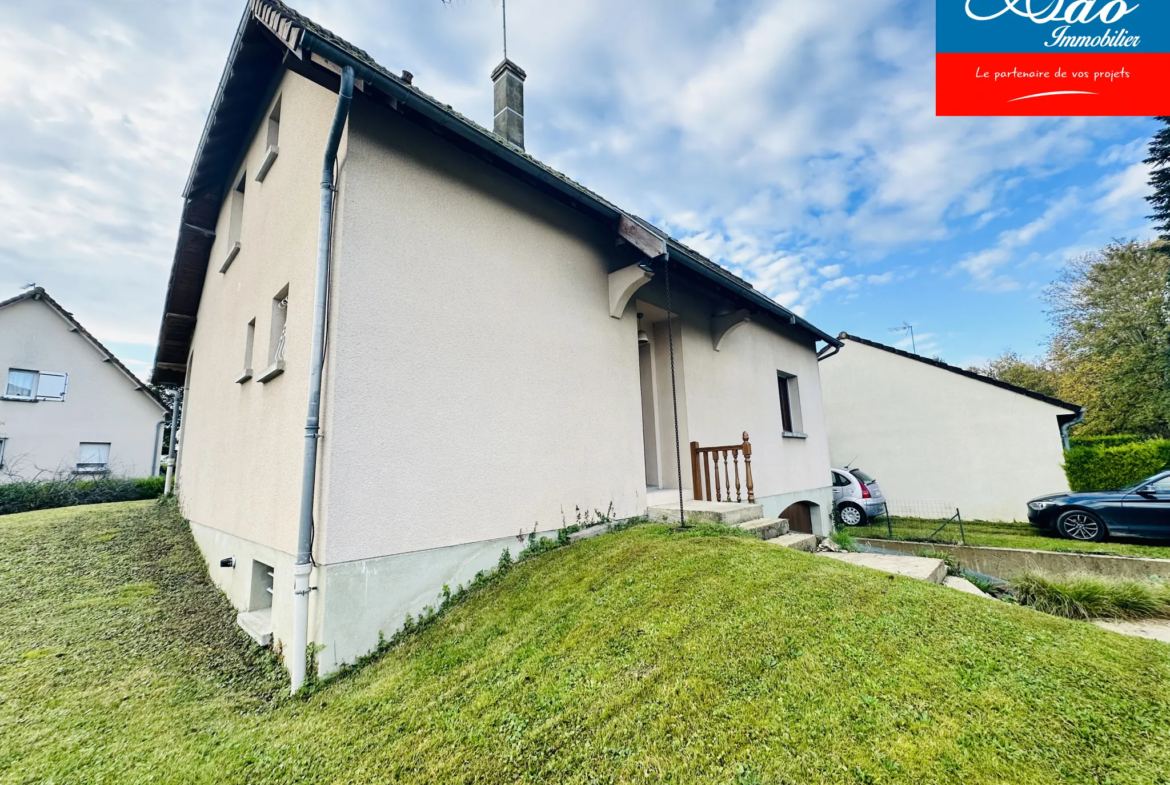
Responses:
[1091,468]
[1083,596]
[1115,440]
[28,496]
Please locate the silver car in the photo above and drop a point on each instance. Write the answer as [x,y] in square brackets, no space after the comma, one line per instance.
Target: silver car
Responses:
[857,497]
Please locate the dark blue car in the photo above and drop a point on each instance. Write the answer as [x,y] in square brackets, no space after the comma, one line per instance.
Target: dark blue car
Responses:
[1141,510]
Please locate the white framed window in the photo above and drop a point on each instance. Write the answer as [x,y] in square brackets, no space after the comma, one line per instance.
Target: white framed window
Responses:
[27,385]
[93,457]
[3,444]
[790,418]
[279,320]
[21,384]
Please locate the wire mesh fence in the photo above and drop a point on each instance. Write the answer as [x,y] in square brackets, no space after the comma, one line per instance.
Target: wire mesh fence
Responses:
[920,520]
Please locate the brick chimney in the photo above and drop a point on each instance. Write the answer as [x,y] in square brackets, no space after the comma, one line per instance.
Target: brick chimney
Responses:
[508,79]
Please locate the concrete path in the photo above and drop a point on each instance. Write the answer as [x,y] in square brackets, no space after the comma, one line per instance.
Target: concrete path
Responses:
[929,570]
[964,585]
[796,541]
[1156,629]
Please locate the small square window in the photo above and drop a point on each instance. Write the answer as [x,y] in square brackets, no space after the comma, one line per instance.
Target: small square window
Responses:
[93,457]
[21,384]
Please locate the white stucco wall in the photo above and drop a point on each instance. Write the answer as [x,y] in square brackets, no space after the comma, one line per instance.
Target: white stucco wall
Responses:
[101,404]
[477,385]
[242,444]
[929,434]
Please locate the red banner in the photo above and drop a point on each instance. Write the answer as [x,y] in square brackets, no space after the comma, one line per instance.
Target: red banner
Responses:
[1053,84]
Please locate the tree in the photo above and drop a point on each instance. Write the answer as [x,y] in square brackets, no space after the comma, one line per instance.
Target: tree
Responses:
[1010,367]
[1160,177]
[1111,348]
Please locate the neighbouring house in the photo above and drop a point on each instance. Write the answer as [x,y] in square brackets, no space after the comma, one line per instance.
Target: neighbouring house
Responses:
[931,432]
[69,408]
[496,343]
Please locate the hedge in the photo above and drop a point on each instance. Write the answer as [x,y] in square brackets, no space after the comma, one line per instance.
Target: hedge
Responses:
[1091,468]
[1115,440]
[27,496]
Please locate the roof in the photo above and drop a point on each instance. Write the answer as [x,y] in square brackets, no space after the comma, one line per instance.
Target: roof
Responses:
[1072,407]
[272,36]
[38,293]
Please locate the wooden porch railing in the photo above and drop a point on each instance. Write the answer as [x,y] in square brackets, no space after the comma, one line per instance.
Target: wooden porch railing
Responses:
[701,475]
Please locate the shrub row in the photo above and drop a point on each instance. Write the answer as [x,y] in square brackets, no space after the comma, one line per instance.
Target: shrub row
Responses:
[1116,440]
[1093,468]
[28,496]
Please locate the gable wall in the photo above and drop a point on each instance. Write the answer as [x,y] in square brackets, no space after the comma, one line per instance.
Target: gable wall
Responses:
[928,434]
[242,443]
[101,404]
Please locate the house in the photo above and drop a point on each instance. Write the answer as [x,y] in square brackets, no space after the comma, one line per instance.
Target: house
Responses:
[494,349]
[69,407]
[938,436]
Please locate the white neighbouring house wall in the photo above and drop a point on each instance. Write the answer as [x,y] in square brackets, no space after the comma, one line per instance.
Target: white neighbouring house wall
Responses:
[931,433]
[103,403]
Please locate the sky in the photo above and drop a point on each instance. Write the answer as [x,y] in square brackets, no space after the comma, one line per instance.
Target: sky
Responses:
[794,142]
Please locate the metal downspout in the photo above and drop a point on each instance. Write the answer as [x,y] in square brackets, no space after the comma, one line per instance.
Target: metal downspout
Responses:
[176,402]
[154,455]
[304,565]
[1064,437]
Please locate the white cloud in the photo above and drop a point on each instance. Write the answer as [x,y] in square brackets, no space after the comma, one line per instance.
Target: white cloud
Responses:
[984,266]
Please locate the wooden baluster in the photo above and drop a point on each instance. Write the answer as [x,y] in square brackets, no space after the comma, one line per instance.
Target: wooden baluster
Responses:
[747,460]
[718,488]
[735,460]
[696,479]
[707,471]
[726,476]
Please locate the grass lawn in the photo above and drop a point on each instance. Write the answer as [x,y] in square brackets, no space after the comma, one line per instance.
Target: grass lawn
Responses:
[641,657]
[1005,535]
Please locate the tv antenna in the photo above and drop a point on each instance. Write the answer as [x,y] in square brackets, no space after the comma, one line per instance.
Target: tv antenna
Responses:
[907,326]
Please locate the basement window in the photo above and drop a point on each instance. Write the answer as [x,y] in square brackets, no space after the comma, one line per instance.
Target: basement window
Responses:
[272,146]
[249,342]
[235,222]
[262,579]
[28,385]
[276,336]
[93,457]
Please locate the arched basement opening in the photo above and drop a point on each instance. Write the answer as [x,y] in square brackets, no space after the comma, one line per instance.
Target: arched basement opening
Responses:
[799,515]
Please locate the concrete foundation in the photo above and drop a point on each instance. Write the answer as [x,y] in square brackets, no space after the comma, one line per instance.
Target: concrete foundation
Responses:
[353,601]
[1009,562]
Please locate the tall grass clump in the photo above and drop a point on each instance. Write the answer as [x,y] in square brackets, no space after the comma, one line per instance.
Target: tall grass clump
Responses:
[1085,596]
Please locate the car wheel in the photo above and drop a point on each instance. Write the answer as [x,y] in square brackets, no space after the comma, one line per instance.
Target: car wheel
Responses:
[851,514]
[1081,525]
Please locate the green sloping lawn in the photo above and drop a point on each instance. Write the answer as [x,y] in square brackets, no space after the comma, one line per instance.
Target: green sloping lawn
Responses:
[1004,535]
[647,656]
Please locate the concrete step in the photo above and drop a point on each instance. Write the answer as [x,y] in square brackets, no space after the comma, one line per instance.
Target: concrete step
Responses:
[963,585]
[697,511]
[766,528]
[796,541]
[929,570]
[258,625]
